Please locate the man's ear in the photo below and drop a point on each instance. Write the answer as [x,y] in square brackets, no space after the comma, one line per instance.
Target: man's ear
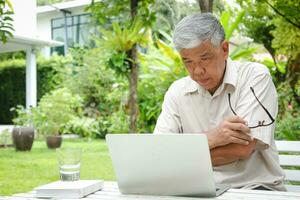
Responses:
[225,48]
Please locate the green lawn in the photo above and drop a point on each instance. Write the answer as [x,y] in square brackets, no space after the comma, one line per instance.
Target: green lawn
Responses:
[22,171]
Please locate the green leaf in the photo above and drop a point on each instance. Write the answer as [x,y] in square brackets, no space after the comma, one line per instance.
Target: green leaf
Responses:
[242,52]
[234,25]
[7,27]
[166,35]
[9,4]
[224,19]
[167,50]
[7,18]
[281,68]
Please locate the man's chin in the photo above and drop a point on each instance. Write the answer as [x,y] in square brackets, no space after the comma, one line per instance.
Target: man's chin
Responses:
[208,88]
[205,86]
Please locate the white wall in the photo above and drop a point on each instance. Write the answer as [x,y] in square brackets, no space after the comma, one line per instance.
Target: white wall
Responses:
[25,11]
[44,30]
[44,25]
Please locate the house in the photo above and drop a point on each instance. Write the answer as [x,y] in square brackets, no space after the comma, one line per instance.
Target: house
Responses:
[25,38]
[51,20]
[43,28]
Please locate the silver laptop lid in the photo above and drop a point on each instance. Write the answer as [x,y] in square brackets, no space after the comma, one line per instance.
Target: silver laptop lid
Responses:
[162,164]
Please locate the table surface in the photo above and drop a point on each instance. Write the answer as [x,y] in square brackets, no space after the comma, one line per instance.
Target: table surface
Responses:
[110,191]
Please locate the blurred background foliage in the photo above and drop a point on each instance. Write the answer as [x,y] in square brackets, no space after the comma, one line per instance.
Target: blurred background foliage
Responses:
[253,27]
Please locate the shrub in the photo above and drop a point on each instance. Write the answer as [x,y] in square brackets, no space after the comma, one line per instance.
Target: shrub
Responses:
[104,94]
[160,66]
[49,74]
[83,126]
[23,116]
[118,122]
[288,120]
[12,87]
[288,128]
[89,78]
[55,110]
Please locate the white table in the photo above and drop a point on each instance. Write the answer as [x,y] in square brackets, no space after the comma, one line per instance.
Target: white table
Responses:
[110,191]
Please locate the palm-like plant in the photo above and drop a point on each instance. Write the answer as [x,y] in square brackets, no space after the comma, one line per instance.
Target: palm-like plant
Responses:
[123,39]
[117,43]
[230,24]
[162,58]
[6,26]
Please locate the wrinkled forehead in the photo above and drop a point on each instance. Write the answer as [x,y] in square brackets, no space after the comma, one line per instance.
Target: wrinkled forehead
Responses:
[202,49]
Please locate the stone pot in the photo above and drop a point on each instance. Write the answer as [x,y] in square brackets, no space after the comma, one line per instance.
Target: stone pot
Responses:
[54,141]
[23,138]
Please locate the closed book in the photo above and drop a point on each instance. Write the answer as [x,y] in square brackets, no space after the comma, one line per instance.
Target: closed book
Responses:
[69,189]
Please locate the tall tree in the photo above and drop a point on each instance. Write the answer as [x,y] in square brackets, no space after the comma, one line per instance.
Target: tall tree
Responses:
[287,22]
[133,81]
[125,24]
[276,25]
[206,5]
[169,12]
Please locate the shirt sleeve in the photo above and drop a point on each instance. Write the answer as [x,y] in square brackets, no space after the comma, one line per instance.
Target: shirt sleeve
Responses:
[169,119]
[250,109]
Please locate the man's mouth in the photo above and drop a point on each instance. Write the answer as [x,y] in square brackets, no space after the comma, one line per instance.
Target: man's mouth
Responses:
[203,81]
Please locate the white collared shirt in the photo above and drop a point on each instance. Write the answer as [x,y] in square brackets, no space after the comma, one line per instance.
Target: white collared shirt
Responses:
[189,108]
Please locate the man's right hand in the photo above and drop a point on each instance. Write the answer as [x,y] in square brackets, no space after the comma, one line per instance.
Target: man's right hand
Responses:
[231,130]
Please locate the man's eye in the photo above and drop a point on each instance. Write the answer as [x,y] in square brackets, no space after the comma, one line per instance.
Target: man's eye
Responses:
[187,61]
[204,58]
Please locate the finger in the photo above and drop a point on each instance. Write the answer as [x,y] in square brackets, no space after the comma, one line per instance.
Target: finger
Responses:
[242,136]
[239,141]
[239,127]
[236,119]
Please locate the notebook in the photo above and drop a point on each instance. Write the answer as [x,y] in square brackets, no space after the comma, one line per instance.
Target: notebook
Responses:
[69,189]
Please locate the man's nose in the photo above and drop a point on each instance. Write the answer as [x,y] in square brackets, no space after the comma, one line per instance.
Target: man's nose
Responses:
[199,68]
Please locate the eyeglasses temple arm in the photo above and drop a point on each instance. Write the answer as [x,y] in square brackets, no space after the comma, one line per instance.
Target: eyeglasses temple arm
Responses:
[230,104]
[270,116]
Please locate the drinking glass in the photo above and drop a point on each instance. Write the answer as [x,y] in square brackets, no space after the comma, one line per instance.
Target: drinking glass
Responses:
[69,160]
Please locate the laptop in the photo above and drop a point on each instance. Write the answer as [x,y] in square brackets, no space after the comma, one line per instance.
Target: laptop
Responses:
[163,164]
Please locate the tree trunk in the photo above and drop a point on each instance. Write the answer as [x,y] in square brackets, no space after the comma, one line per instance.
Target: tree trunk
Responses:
[133,79]
[279,77]
[133,8]
[293,74]
[206,5]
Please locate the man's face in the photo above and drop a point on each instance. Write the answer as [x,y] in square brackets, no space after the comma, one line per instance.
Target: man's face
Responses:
[206,64]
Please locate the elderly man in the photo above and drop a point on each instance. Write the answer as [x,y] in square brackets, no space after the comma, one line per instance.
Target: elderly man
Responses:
[233,103]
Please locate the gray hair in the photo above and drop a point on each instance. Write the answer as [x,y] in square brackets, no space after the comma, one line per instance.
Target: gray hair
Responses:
[192,30]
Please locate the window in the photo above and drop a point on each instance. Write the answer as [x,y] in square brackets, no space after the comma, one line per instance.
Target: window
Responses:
[78,31]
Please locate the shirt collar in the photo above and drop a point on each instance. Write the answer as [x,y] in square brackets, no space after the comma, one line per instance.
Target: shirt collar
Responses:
[191,86]
[230,77]
[231,73]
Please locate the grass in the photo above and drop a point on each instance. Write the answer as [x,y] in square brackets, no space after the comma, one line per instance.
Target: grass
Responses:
[23,171]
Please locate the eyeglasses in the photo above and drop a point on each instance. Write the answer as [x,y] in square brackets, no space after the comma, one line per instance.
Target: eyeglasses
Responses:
[260,123]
